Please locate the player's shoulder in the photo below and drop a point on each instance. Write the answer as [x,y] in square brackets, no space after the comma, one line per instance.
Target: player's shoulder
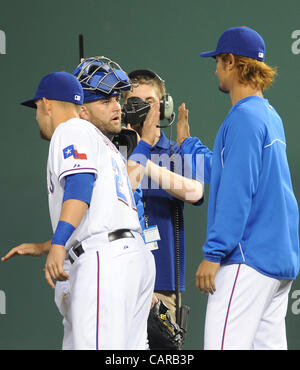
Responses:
[74,127]
[76,124]
[251,108]
[249,114]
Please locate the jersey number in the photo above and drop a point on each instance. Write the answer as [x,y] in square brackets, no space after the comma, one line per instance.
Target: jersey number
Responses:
[123,185]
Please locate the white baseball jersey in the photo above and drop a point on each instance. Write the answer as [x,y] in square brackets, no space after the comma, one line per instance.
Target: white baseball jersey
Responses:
[77,146]
[106,301]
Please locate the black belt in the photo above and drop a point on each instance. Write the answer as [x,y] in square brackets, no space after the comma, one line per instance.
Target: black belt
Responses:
[119,234]
[78,251]
[114,235]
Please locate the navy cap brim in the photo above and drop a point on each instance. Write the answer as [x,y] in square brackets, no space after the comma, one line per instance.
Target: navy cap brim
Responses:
[29,103]
[208,54]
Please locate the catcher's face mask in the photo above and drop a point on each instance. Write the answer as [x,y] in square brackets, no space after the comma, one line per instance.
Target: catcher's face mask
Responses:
[102,76]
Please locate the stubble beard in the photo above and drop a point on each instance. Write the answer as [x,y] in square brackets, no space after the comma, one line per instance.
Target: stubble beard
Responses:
[223,90]
[109,130]
[44,136]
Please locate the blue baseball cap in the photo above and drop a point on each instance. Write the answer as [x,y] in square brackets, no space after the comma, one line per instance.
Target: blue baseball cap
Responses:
[61,86]
[243,41]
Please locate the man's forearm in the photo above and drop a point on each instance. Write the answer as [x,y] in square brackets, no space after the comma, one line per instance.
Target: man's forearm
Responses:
[136,173]
[178,186]
[73,211]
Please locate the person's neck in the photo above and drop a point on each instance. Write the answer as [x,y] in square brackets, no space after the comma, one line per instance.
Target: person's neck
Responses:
[239,92]
[156,140]
[63,116]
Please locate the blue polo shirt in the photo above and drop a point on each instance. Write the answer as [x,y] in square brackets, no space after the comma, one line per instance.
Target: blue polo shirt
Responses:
[160,209]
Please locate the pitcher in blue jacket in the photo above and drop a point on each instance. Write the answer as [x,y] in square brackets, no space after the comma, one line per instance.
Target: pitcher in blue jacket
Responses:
[251,252]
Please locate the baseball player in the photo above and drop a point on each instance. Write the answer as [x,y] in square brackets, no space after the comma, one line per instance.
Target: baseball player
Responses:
[251,253]
[101,109]
[95,223]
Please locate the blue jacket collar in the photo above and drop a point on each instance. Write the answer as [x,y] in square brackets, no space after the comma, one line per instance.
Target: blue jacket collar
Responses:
[163,141]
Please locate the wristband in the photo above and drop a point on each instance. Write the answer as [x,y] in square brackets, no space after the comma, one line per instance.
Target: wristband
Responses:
[62,233]
[141,153]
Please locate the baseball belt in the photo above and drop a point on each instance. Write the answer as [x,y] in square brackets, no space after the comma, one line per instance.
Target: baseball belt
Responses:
[112,236]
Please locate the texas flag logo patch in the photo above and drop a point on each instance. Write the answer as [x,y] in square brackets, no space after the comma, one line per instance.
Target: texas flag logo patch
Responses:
[71,151]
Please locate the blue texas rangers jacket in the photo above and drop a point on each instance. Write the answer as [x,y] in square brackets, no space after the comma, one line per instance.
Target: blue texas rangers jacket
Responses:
[253,215]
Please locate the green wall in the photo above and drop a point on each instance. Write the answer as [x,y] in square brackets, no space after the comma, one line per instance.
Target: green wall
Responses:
[166,35]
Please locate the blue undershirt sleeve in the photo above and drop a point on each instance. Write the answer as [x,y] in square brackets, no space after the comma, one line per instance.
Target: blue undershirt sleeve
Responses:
[79,186]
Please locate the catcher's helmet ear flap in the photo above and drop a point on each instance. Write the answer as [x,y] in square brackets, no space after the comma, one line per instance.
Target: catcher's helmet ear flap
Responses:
[166,102]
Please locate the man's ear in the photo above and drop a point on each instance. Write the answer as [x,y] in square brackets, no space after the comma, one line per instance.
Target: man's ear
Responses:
[83,113]
[230,62]
[47,105]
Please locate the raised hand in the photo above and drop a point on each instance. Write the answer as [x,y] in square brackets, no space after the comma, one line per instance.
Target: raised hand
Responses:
[183,128]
